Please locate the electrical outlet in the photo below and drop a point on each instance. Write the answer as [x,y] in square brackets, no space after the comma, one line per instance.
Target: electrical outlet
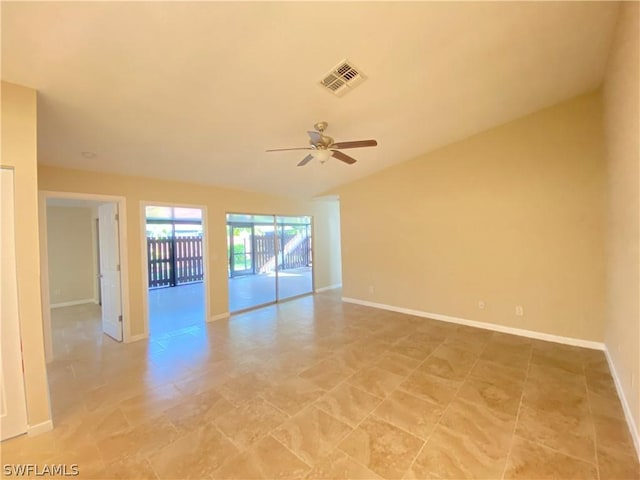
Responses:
[372,290]
[519,311]
[481,305]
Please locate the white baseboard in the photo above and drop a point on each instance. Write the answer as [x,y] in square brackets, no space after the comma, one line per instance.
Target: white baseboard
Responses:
[72,303]
[484,325]
[136,338]
[625,405]
[330,287]
[40,428]
[220,316]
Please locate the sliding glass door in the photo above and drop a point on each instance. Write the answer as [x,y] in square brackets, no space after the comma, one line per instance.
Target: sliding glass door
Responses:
[269,259]
[294,256]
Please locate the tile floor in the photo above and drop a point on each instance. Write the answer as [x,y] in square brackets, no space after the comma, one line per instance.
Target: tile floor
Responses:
[315,388]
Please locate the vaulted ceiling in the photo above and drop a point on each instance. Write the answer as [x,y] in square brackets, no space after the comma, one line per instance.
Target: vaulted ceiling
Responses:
[197,91]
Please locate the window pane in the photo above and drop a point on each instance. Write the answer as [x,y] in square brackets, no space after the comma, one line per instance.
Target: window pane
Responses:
[187,213]
[293,220]
[158,212]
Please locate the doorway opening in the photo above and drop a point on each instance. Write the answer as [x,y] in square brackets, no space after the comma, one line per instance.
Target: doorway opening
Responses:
[84,271]
[84,266]
[270,259]
[175,258]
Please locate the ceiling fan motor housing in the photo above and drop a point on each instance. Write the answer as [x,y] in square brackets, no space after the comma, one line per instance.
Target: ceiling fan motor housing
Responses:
[324,143]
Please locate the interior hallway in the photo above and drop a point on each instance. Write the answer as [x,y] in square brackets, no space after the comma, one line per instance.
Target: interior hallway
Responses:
[318,388]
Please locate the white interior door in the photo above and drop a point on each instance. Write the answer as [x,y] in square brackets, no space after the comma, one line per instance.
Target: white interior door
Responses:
[110,271]
[13,405]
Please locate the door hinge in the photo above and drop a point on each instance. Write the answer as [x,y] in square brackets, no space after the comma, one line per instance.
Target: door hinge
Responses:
[117,217]
[118,267]
[120,318]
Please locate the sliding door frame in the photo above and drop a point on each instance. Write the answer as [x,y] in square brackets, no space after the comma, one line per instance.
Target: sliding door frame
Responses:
[276,239]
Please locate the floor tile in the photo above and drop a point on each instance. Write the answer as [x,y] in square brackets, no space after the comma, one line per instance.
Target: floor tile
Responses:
[410,413]
[376,381]
[516,356]
[268,459]
[195,455]
[125,468]
[398,364]
[357,357]
[613,435]
[532,461]
[615,465]
[249,422]
[412,351]
[140,440]
[328,373]
[569,361]
[386,450]
[499,396]
[150,403]
[348,403]
[312,434]
[432,388]
[451,454]
[195,410]
[449,362]
[470,441]
[340,465]
[293,394]
[244,387]
[572,434]
[504,374]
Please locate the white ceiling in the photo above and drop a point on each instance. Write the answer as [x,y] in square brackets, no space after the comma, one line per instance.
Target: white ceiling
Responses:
[197,91]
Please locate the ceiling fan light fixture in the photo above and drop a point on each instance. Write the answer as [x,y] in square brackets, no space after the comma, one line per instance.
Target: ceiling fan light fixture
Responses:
[322,147]
[321,155]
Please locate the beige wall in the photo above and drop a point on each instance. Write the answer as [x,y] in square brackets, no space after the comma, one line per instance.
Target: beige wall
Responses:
[218,201]
[327,239]
[19,151]
[512,216]
[70,243]
[622,127]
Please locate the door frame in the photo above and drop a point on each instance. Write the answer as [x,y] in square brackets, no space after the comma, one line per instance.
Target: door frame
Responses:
[43,196]
[145,259]
[14,420]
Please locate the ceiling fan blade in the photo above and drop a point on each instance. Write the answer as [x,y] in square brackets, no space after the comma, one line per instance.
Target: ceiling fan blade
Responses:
[305,160]
[355,144]
[315,137]
[285,149]
[343,156]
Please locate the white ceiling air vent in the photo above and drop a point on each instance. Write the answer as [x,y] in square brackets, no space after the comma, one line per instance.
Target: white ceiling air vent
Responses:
[342,78]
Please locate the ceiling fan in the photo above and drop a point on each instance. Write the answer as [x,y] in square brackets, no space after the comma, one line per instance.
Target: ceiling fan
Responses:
[323,147]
